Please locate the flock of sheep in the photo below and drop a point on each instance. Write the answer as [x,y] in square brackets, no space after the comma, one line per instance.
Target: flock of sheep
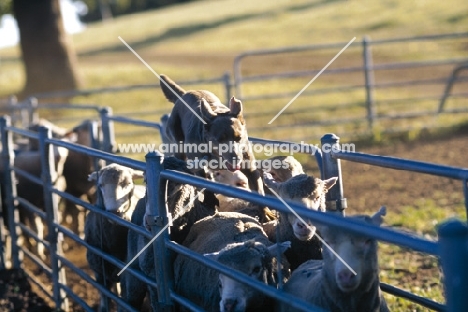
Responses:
[232,235]
[223,229]
[243,236]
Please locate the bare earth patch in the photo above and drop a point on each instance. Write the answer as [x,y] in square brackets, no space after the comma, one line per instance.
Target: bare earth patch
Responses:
[16,293]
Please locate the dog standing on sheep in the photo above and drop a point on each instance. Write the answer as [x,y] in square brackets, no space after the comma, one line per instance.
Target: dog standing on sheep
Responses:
[222,125]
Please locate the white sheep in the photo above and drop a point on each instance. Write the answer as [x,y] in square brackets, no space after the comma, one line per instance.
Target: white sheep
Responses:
[310,192]
[119,196]
[237,241]
[330,284]
[232,178]
[282,168]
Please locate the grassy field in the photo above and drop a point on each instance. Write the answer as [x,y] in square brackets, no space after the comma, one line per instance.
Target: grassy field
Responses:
[201,39]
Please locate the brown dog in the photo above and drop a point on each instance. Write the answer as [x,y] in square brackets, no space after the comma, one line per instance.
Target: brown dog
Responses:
[221,127]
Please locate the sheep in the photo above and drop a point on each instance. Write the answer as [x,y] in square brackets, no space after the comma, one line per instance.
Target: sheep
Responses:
[233,178]
[57,132]
[185,210]
[329,284]
[282,168]
[310,192]
[28,159]
[76,170]
[119,196]
[237,178]
[237,241]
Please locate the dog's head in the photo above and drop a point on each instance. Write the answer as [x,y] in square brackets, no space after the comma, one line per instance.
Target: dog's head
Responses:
[227,132]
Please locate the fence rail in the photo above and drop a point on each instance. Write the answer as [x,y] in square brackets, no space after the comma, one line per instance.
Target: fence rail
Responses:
[372,104]
[453,235]
[377,105]
[328,164]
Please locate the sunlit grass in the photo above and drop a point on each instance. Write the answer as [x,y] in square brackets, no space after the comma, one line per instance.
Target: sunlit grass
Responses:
[412,271]
[200,40]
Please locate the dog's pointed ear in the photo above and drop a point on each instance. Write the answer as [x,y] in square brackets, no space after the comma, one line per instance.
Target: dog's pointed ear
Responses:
[206,112]
[235,106]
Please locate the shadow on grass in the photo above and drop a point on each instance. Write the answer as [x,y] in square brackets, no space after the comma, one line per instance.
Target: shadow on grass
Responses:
[190,29]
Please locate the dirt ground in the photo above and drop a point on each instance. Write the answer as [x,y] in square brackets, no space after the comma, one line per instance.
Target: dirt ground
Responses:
[16,293]
[366,188]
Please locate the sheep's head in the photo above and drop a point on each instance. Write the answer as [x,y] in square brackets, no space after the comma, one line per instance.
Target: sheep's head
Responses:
[305,190]
[236,178]
[116,185]
[282,168]
[252,258]
[359,252]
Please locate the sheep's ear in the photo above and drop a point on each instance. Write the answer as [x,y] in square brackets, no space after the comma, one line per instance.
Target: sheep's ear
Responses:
[235,106]
[377,218]
[270,182]
[330,182]
[93,176]
[281,247]
[206,112]
[212,256]
[138,174]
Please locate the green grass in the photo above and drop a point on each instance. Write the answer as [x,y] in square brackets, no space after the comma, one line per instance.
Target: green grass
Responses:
[200,40]
[190,42]
[410,270]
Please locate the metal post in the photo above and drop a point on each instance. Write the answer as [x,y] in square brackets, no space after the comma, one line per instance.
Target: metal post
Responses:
[31,116]
[26,113]
[51,209]
[108,135]
[449,86]
[369,81]
[2,240]
[332,168]
[453,244]
[157,215]
[237,77]
[93,130]
[9,188]
[106,12]
[12,102]
[465,192]
[227,86]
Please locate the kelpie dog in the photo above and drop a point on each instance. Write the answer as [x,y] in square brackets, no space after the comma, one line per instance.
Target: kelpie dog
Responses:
[223,127]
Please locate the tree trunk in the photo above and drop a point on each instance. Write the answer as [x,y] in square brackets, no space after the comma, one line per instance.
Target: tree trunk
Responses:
[48,54]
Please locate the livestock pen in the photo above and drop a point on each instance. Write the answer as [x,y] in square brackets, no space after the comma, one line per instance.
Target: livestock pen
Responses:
[451,247]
